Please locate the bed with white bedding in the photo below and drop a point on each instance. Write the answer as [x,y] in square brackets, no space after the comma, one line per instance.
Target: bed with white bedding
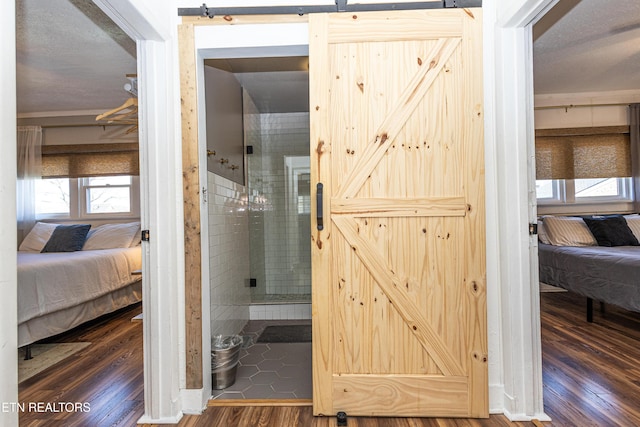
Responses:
[58,291]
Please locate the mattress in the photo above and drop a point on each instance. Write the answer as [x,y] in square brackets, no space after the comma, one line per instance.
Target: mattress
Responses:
[52,282]
[607,274]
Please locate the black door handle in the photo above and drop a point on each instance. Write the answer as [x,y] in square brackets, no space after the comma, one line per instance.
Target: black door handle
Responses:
[319,219]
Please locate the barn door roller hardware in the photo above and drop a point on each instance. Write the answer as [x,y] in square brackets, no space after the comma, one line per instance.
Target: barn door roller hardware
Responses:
[340,6]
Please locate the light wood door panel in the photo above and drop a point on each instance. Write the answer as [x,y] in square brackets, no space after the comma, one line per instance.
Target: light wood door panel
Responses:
[399,302]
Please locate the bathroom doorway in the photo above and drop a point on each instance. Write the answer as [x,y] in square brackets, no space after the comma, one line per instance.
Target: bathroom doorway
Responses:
[258,137]
[260,225]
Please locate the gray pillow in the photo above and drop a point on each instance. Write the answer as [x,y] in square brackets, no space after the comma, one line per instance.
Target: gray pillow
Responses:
[67,238]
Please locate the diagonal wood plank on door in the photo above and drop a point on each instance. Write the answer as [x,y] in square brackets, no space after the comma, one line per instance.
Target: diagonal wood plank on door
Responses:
[390,283]
[393,123]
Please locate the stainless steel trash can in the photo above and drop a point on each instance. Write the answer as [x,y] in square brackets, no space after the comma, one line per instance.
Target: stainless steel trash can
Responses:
[225,353]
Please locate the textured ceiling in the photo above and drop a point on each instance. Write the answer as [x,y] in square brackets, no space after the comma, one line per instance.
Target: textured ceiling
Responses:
[588,46]
[71,57]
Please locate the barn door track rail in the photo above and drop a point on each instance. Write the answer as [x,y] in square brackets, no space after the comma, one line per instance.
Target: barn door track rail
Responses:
[340,6]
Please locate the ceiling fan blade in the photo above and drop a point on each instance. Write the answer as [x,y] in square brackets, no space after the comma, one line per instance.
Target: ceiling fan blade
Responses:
[625,28]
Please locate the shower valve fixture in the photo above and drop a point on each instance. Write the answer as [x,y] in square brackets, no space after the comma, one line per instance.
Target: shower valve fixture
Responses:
[233,167]
[223,161]
[211,153]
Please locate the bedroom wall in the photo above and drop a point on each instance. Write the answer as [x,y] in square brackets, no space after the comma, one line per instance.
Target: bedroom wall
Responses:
[560,111]
[228,255]
[556,111]
[69,130]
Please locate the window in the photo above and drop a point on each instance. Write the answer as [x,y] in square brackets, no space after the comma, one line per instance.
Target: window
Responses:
[108,194]
[82,181]
[74,198]
[304,193]
[583,165]
[600,187]
[53,197]
[589,190]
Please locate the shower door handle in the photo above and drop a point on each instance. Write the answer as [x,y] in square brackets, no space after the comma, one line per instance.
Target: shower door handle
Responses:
[319,219]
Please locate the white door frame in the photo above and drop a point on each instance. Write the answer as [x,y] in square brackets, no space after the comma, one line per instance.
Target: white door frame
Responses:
[8,227]
[511,169]
[155,30]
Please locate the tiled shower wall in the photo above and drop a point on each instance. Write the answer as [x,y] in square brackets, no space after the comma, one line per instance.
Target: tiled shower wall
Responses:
[229,255]
[245,242]
[287,268]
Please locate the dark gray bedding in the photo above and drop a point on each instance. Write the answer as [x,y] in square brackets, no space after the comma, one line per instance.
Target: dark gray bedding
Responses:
[606,274]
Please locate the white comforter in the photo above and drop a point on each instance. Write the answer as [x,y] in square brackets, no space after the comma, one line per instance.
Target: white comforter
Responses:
[48,282]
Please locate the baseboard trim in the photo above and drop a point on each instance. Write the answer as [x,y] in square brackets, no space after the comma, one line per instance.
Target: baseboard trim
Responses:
[194,401]
[523,417]
[166,420]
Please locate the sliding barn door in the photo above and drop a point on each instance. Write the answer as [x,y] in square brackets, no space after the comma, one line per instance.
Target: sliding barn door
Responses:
[399,293]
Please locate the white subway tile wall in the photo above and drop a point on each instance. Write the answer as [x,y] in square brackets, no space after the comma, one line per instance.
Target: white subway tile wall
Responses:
[280,311]
[250,234]
[278,238]
[229,255]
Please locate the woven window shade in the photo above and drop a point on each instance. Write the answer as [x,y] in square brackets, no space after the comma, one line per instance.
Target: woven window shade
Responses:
[579,153]
[78,161]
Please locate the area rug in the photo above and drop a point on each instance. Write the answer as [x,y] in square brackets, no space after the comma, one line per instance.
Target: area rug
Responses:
[45,356]
[548,288]
[285,333]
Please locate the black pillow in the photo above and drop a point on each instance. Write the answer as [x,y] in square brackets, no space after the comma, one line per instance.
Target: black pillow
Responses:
[611,231]
[67,238]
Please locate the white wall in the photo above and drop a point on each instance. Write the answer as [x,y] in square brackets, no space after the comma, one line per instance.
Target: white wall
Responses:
[223,96]
[8,173]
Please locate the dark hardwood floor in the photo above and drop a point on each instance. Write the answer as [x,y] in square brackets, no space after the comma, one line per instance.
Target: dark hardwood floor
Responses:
[591,371]
[107,375]
[591,377]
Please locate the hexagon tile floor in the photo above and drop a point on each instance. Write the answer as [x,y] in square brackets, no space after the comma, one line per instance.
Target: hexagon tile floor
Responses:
[273,370]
